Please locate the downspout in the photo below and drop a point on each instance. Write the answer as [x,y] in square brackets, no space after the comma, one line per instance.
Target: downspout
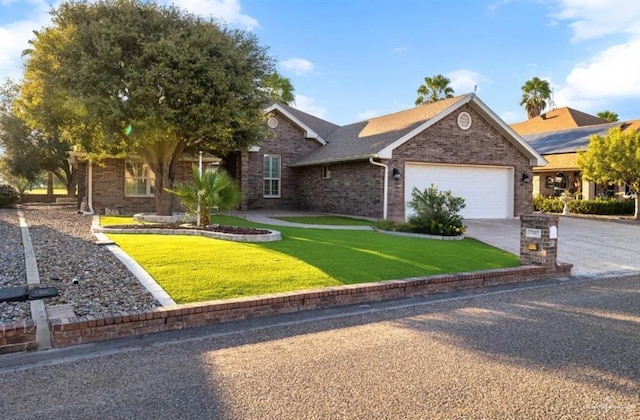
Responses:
[385,189]
[89,189]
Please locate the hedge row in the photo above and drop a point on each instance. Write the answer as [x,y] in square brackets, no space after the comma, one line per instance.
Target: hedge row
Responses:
[598,206]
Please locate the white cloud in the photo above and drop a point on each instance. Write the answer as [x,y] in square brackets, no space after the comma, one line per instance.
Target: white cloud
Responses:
[464,81]
[597,18]
[14,39]
[299,66]
[399,50]
[308,105]
[228,11]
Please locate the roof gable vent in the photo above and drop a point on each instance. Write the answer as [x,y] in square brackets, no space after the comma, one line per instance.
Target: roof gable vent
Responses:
[464,120]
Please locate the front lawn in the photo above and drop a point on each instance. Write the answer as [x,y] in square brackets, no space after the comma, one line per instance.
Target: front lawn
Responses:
[196,269]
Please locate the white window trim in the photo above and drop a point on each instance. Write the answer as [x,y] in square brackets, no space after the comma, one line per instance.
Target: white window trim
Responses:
[147,178]
[279,178]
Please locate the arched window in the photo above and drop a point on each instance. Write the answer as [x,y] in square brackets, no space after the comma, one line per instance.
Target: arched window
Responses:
[560,184]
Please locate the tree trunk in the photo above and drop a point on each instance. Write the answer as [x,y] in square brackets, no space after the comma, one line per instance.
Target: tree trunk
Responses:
[49,183]
[163,159]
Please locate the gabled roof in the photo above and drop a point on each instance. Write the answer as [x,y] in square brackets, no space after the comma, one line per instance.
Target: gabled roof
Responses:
[555,120]
[314,127]
[567,141]
[378,137]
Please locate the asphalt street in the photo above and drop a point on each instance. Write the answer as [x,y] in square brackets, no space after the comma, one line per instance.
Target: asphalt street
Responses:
[555,349]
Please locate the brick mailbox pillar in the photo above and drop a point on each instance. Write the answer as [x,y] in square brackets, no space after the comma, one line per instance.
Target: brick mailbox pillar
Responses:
[539,240]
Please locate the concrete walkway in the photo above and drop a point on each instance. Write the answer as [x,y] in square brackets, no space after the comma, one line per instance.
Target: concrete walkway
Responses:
[267,217]
[594,247]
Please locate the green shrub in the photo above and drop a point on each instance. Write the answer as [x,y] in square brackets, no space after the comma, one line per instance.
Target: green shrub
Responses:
[547,204]
[8,196]
[600,206]
[437,212]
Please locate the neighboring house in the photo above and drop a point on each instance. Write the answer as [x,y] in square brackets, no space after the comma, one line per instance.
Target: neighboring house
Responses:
[559,135]
[368,168]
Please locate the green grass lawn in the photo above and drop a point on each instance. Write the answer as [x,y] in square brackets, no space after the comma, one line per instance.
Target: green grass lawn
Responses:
[56,191]
[326,220]
[194,269]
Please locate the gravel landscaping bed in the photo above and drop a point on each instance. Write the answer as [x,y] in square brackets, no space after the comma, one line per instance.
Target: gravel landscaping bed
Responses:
[12,269]
[88,276]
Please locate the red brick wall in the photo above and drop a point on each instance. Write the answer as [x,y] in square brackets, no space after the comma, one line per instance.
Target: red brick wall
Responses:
[445,142]
[108,188]
[18,336]
[354,188]
[287,140]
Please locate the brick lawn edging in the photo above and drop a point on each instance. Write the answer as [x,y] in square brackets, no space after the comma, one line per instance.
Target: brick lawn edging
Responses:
[17,336]
[71,331]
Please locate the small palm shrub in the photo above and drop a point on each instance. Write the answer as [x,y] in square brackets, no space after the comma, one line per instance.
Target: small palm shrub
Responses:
[8,196]
[209,191]
[436,212]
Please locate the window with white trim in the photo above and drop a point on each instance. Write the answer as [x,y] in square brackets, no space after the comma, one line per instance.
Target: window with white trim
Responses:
[271,176]
[138,179]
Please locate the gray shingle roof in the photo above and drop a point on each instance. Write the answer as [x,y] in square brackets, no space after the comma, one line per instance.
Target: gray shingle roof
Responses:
[367,138]
[567,141]
[320,126]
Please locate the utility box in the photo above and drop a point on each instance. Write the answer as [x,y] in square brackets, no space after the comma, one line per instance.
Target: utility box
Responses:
[539,240]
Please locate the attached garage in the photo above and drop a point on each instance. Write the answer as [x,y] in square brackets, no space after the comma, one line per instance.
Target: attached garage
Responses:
[487,190]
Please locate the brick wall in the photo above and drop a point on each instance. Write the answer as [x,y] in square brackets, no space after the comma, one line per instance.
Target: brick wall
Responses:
[286,140]
[445,142]
[108,188]
[18,336]
[353,188]
[67,332]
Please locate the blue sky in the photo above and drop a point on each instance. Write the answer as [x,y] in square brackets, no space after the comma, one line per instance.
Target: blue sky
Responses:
[353,59]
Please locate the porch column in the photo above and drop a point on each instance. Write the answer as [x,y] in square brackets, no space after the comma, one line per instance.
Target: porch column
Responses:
[588,190]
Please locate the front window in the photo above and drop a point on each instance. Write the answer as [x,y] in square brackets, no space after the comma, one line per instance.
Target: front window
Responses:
[138,179]
[271,176]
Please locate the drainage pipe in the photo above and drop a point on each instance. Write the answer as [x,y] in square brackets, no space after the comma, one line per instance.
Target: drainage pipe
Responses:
[385,189]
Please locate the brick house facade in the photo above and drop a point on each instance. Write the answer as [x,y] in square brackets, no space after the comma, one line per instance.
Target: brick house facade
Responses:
[311,164]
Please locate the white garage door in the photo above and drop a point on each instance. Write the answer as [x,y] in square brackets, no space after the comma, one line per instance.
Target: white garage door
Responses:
[488,191]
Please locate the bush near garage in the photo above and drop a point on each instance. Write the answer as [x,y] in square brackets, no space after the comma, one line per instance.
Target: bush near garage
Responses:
[599,206]
[8,196]
[436,212]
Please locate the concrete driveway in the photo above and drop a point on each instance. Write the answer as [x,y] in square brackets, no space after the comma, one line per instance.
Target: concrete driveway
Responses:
[593,247]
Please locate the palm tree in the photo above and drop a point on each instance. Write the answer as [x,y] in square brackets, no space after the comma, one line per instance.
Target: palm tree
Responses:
[209,191]
[280,88]
[535,94]
[434,89]
[608,116]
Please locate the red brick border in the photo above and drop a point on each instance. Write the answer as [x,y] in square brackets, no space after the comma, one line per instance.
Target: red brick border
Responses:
[17,336]
[71,331]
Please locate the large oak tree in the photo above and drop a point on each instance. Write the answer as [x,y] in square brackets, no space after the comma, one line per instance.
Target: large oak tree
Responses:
[138,78]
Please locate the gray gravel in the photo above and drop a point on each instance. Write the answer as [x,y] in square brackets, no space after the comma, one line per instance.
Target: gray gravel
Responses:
[88,276]
[12,269]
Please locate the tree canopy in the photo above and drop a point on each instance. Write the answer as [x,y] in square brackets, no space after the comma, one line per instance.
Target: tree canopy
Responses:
[535,94]
[134,77]
[614,158]
[280,88]
[27,151]
[608,116]
[434,89]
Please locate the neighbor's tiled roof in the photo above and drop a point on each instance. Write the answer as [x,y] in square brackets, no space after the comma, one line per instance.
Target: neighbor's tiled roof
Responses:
[367,138]
[320,126]
[556,119]
[631,125]
[561,161]
[566,141]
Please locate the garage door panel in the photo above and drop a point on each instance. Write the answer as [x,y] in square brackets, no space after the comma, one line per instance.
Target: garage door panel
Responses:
[488,191]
